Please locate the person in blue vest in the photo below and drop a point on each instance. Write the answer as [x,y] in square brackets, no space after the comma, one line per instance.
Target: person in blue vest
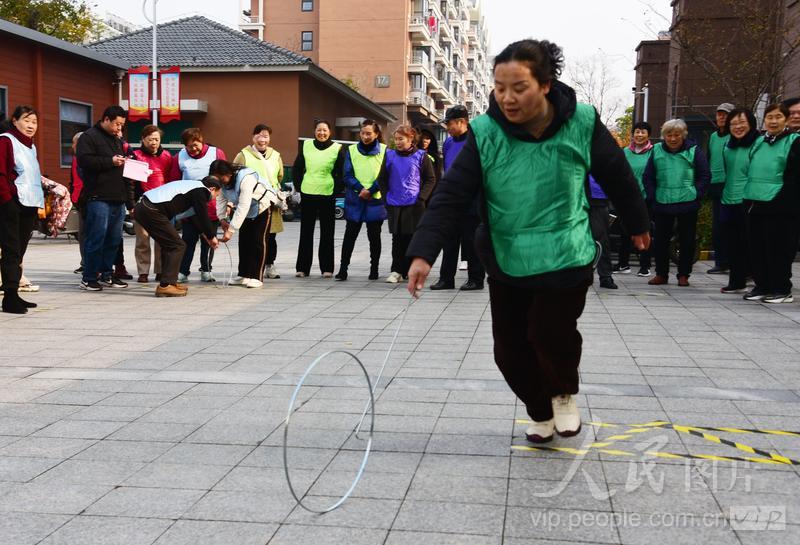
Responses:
[407,182]
[457,121]
[157,211]
[251,198]
[716,145]
[599,221]
[535,145]
[363,201]
[638,154]
[676,178]
[772,200]
[21,195]
[317,174]
[742,130]
[193,163]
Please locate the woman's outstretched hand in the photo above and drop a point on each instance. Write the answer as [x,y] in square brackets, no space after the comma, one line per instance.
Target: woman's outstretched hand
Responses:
[417,274]
[640,242]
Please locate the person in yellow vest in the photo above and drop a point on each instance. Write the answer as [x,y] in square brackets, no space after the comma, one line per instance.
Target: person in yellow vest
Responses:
[535,145]
[317,176]
[268,163]
[772,200]
[363,201]
[742,131]
[676,178]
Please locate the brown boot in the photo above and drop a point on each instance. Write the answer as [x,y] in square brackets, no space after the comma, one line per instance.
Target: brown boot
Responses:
[182,287]
[169,291]
[142,279]
[658,280]
[683,280]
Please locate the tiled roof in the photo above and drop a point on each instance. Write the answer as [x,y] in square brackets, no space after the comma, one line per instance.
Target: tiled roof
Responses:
[197,42]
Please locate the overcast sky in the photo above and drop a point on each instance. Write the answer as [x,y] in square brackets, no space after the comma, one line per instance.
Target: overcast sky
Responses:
[583,28]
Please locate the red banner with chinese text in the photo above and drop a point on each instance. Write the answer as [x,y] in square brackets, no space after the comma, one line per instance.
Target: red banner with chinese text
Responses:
[170,93]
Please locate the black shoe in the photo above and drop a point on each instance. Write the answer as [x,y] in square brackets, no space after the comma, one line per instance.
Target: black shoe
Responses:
[341,275]
[12,304]
[79,270]
[26,304]
[443,285]
[621,269]
[718,269]
[113,282]
[92,285]
[373,274]
[754,294]
[608,284]
[469,285]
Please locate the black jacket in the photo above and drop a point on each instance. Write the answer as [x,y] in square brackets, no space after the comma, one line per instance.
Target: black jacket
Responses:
[102,180]
[464,180]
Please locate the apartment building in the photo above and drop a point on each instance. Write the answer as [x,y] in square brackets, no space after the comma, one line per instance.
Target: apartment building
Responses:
[415,58]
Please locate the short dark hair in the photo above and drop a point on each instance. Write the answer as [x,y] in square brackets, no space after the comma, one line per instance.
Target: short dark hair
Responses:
[375,127]
[262,127]
[789,102]
[190,135]
[147,130]
[643,125]
[736,112]
[212,182]
[23,111]
[544,59]
[328,123]
[784,109]
[113,112]
[221,167]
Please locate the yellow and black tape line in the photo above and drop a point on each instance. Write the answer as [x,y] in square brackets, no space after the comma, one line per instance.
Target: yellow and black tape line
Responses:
[765,457]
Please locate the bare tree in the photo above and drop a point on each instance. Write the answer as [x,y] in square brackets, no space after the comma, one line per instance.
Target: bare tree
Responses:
[596,85]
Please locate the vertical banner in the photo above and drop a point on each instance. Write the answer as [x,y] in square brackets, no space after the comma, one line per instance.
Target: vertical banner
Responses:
[138,93]
[170,93]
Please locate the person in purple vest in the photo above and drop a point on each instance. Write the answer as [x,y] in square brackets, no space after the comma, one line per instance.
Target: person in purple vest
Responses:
[407,182]
[457,121]
[598,222]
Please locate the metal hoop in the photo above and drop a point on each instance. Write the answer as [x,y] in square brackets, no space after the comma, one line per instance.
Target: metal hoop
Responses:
[358,426]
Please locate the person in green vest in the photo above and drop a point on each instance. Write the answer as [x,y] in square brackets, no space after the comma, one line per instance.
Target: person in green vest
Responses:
[772,200]
[363,201]
[676,178]
[716,143]
[317,174]
[637,154]
[742,130]
[527,161]
[268,163]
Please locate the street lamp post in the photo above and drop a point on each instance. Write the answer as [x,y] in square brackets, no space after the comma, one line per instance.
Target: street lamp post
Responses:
[154,100]
[646,92]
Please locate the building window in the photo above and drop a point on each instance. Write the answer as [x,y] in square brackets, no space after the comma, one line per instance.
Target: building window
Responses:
[307,41]
[418,82]
[307,5]
[73,118]
[4,102]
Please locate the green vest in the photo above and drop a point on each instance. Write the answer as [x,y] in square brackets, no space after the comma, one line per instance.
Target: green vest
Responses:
[267,168]
[674,175]
[536,195]
[715,160]
[318,179]
[737,161]
[367,167]
[638,162]
[767,165]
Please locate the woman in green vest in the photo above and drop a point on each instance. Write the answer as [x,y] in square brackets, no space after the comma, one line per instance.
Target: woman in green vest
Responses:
[772,200]
[716,143]
[317,176]
[363,201]
[535,146]
[741,128]
[637,154]
[268,163]
[675,179]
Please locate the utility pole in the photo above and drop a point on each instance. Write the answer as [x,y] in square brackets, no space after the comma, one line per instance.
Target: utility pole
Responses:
[154,102]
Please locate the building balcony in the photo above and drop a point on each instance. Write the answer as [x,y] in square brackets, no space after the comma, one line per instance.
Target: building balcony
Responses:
[448,8]
[419,29]
[422,99]
[421,64]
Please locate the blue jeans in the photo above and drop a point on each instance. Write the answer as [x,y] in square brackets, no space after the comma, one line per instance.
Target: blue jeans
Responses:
[102,239]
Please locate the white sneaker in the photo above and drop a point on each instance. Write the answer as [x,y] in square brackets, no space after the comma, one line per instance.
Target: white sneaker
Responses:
[182,278]
[566,415]
[540,432]
[254,283]
[393,278]
[272,272]
[207,276]
[239,281]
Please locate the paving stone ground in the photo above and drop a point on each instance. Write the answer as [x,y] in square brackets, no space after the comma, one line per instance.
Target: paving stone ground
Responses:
[130,419]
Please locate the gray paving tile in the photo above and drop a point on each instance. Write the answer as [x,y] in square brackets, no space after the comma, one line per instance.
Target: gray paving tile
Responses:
[199,532]
[297,534]
[124,451]
[108,531]
[355,513]
[186,476]
[397,537]
[226,505]
[96,472]
[24,469]
[166,503]
[79,429]
[456,518]
[28,528]
[428,486]
[59,499]
[190,453]
[550,525]
[153,431]
[46,447]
